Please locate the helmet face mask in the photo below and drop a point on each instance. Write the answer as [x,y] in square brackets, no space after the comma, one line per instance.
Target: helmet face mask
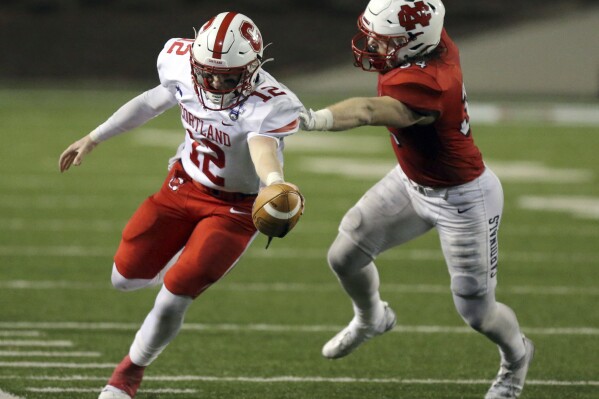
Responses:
[225,59]
[394,31]
[223,88]
[373,52]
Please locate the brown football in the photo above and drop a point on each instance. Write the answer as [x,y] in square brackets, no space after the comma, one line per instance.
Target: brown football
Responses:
[277,209]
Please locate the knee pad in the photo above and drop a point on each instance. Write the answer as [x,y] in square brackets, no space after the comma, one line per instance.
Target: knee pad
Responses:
[466,263]
[344,257]
[467,286]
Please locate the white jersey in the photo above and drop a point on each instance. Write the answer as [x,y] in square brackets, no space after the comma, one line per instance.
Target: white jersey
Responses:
[215,152]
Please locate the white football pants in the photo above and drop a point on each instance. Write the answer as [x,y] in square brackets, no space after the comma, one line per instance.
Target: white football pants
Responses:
[466,217]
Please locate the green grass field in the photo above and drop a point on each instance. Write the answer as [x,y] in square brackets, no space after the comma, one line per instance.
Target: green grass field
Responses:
[258,332]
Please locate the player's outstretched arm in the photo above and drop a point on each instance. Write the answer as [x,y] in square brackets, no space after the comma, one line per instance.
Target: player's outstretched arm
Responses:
[132,114]
[263,151]
[75,153]
[361,111]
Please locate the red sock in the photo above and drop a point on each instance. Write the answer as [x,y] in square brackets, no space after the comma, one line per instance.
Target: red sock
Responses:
[127,376]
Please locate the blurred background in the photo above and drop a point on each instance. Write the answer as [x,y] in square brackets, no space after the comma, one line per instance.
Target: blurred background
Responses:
[509,48]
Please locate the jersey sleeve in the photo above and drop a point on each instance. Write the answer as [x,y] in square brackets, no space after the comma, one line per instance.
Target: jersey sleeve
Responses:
[135,112]
[419,91]
[173,61]
[279,119]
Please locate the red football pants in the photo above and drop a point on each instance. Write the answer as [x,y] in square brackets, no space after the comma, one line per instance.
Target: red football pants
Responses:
[215,231]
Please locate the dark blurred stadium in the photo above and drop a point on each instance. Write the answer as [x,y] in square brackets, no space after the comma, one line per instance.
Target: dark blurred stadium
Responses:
[110,40]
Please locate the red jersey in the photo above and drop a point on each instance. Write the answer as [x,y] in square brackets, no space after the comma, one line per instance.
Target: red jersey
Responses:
[441,154]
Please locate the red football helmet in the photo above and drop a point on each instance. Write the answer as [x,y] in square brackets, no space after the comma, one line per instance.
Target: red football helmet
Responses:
[393,31]
[225,58]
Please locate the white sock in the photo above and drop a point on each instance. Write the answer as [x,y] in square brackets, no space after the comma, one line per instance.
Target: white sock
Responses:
[160,327]
[363,288]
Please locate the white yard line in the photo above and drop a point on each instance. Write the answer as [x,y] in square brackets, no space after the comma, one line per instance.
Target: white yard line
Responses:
[441,289]
[57,365]
[416,255]
[102,225]
[48,354]
[85,390]
[13,333]
[288,378]
[28,343]
[94,225]
[59,201]
[432,329]
[52,285]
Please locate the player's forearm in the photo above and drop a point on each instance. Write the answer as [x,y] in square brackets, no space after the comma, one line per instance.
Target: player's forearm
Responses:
[264,156]
[351,113]
[372,111]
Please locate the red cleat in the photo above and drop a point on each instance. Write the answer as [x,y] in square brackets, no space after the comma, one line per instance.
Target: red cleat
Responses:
[127,376]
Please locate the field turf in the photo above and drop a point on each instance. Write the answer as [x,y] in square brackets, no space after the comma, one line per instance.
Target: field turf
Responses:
[258,332]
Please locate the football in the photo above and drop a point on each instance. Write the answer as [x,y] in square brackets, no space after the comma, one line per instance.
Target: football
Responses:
[277,209]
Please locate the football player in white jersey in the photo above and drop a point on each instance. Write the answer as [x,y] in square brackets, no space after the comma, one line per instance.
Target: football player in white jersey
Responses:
[235,116]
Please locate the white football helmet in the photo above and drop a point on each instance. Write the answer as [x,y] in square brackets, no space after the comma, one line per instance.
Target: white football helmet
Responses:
[225,58]
[392,31]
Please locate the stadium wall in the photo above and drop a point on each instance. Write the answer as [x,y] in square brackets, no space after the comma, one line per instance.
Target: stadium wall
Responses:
[556,57]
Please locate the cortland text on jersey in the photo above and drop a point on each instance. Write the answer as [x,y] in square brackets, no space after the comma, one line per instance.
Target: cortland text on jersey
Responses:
[493,244]
[206,130]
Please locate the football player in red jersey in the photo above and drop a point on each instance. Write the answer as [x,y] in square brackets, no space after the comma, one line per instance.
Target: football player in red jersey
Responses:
[440,182]
[235,116]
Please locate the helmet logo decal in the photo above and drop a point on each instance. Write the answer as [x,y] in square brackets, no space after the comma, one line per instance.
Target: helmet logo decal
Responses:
[410,16]
[250,33]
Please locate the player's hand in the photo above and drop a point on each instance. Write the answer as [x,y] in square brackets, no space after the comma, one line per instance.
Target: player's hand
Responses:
[74,153]
[306,119]
[316,120]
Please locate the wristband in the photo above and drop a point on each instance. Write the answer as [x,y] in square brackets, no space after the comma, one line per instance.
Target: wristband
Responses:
[323,119]
[274,177]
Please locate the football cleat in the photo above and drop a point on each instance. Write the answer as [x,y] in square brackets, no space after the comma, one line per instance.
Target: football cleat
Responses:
[124,382]
[110,392]
[510,380]
[355,334]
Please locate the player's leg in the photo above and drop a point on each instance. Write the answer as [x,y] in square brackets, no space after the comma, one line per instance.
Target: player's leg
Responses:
[472,261]
[381,219]
[153,237]
[159,328]
[211,251]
